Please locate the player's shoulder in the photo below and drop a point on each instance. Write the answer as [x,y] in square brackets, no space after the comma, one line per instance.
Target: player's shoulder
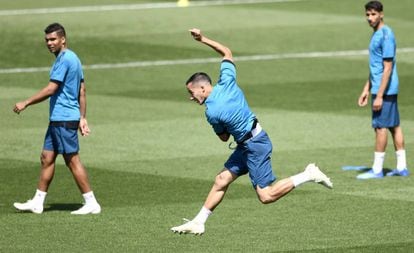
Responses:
[70,57]
[387,32]
[68,54]
[387,28]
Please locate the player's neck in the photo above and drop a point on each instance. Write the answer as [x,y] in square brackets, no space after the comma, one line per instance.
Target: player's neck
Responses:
[379,26]
[61,50]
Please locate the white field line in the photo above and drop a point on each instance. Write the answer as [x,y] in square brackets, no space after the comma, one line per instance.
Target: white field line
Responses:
[142,6]
[138,64]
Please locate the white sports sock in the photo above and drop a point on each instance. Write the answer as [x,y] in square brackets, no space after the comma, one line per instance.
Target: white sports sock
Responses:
[202,215]
[401,161]
[378,162]
[89,198]
[300,178]
[39,196]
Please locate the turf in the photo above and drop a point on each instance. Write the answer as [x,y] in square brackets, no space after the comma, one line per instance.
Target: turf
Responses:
[152,157]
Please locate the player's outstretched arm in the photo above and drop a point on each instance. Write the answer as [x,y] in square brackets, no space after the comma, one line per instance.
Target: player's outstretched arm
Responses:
[219,48]
[43,94]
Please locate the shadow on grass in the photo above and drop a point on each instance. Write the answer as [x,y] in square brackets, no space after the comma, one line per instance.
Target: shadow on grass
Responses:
[384,170]
[111,188]
[56,207]
[402,247]
[62,207]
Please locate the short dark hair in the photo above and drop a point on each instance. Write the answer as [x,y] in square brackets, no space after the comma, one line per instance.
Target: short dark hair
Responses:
[198,78]
[56,27]
[374,5]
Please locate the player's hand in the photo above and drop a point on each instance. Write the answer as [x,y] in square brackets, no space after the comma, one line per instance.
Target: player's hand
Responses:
[363,100]
[377,104]
[196,33]
[224,136]
[83,127]
[20,106]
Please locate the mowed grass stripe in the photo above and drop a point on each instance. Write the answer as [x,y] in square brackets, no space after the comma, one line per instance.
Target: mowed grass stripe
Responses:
[140,6]
[142,138]
[139,221]
[266,57]
[155,132]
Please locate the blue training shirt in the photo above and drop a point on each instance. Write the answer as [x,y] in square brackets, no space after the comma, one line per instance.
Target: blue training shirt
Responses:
[67,72]
[226,107]
[382,46]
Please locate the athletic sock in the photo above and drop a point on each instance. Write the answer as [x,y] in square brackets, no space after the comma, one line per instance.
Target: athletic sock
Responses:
[300,178]
[39,196]
[401,160]
[89,198]
[202,215]
[378,162]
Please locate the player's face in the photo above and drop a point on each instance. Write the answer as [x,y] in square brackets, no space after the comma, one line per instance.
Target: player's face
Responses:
[197,93]
[54,42]
[374,18]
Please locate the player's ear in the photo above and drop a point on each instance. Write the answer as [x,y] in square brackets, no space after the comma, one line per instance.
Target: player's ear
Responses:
[63,38]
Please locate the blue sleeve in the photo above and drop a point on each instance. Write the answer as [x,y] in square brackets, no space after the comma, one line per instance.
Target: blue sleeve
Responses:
[388,45]
[227,73]
[58,73]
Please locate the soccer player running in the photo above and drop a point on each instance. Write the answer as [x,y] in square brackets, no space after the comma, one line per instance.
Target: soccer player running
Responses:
[66,89]
[382,83]
[229,114]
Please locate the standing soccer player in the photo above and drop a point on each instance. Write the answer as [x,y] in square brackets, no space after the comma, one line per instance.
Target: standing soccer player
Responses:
[383,85]
[229,114]
[66,89]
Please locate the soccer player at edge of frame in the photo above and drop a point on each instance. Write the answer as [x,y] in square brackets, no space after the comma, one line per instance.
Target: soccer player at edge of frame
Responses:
[183,3]
[229,114]
[67,93]
[383,84]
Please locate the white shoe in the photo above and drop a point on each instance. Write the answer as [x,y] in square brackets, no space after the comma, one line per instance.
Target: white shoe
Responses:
[29,205]
[88,208]
[190,227]
[317,176]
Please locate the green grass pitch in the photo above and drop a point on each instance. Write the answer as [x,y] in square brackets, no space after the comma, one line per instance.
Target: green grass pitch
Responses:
[152,156]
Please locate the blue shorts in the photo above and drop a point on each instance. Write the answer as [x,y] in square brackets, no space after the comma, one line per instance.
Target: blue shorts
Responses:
[388,116]
[62,137]
[253,157]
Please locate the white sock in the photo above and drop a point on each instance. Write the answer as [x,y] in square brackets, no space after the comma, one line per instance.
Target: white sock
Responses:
[39,196]
[401,161]
[300,178]
[202,215]
[89,198]
[378,162]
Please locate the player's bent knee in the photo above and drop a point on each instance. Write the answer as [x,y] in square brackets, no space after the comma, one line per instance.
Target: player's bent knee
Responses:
[221,181]
[265,197]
